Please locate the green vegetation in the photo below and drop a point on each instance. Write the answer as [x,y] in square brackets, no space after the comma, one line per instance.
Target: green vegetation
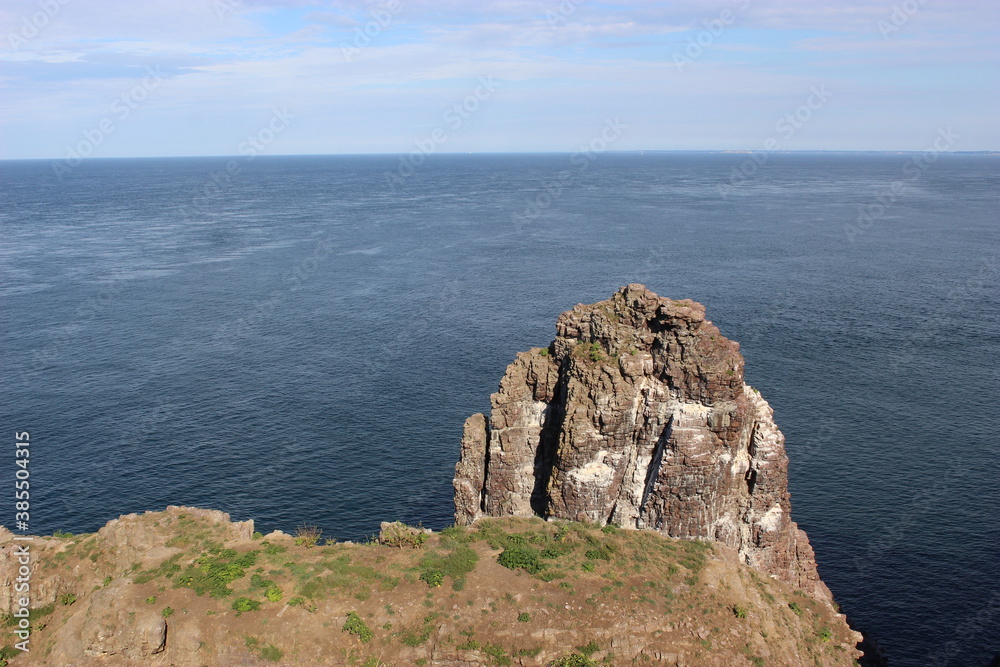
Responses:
[67,599]
[738,611]
[520,556]
[524,617]
[455,564]
[357,627]
[242,604]
[270,653]
[398,534]
[497,655]
[573,660]
[307,535]
[212,572]
[167,612]
[794,606]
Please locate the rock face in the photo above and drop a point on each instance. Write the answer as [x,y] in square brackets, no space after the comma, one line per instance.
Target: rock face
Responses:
[637,415]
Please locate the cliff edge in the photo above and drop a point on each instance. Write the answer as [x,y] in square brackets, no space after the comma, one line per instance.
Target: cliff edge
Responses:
[637,415]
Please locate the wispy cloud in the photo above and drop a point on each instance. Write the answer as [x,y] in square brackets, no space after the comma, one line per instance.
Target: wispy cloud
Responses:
[561,68]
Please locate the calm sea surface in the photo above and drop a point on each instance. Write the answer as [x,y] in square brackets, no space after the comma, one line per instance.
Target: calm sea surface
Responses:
[300,341]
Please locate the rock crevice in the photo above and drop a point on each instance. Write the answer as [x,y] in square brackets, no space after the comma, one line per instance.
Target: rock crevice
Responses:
[638,415]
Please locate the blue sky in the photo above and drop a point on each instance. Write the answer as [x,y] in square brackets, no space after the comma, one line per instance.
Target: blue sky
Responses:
[110,78]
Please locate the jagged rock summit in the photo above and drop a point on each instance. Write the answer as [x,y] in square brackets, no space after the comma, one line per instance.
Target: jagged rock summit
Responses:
[637,415]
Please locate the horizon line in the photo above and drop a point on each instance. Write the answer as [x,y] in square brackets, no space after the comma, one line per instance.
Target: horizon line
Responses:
[715,151]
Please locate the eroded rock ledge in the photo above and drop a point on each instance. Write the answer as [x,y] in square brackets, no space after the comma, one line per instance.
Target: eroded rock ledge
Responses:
[637,415]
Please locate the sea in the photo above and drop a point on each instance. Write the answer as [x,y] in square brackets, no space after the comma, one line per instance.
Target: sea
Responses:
[297,340]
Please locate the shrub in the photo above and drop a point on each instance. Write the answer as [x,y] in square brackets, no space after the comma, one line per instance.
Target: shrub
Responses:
[573,660]
[296,601]
[412,638]
[794,606]
[151,599]
[67,599]
[307,536]
[167,612]
[273,594]
[519,556]
[271,653]
[245,604]
[434,578]
[602,553]
[739,612]
[357,627]
[497,653]
[589,649]
[524,617]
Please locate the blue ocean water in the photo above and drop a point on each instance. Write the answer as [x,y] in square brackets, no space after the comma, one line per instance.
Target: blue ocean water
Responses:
[299,339]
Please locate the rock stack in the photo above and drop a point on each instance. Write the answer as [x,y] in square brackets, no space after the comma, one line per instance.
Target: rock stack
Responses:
[637,415]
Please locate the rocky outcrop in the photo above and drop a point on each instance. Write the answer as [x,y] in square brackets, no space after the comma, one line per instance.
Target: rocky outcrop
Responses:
[637,597]
[637,415]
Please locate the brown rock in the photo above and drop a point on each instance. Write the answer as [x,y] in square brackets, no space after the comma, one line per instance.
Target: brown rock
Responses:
[638,415]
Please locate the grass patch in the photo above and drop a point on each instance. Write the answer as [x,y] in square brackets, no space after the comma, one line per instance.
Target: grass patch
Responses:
[356,626]
[455,564]
[212,572]
[245,604]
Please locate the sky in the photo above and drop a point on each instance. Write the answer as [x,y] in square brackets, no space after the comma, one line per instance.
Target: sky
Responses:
[120,78]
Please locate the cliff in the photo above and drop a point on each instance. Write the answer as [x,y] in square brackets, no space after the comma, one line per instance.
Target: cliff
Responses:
[637,415]
[634,428]
[188,587]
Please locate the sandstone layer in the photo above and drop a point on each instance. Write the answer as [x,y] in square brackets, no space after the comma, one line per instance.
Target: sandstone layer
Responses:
[638,415]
